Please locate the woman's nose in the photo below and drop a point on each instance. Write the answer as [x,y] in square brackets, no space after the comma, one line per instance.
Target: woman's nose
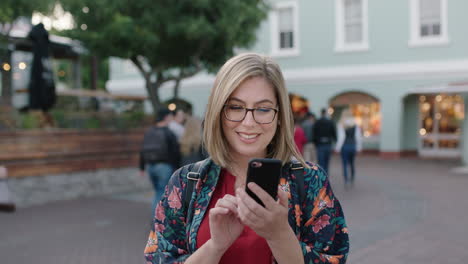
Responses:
[249,119]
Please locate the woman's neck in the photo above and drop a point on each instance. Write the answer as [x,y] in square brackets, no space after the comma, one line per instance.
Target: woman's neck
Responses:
[238,167]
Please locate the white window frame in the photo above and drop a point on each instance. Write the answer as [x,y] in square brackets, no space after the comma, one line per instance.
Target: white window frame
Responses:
[340,44]
[276,51]
[415,24]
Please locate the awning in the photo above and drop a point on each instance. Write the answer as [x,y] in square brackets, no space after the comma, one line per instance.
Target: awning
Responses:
[449,88]
[91,93]
[352,98]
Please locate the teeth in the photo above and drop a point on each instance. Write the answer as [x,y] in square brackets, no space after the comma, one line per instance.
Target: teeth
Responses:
[247,136]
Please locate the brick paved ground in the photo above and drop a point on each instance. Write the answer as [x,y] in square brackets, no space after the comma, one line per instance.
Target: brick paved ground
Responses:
[399,211]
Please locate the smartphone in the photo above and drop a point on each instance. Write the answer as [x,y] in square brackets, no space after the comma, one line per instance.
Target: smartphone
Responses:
[266,174]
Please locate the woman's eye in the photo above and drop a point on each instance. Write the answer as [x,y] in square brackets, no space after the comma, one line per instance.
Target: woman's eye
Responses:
[235,107]
[264,110]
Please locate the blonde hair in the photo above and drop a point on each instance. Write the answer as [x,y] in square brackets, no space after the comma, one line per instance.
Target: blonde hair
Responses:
[347,119]
[191,139]
[235,71]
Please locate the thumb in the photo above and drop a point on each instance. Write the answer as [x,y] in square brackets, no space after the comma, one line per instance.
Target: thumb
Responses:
[282,197]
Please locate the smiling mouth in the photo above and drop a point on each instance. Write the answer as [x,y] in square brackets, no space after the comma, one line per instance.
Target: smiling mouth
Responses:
[248,136]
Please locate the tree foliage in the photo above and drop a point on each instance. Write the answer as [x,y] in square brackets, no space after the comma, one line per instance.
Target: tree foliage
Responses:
[10,10]
[167,40]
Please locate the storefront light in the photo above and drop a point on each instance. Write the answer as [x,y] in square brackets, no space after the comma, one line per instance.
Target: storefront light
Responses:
[22,65]
[422,131]
[426,107]
[62,73]
[172,107]
[422,98]
[438,116]
[438,98]
[6,67]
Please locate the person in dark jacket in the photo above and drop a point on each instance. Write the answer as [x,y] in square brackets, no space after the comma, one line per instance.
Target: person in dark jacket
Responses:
[324,134]
[160,153]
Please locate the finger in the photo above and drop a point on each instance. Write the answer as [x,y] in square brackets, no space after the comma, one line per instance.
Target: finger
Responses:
[227,203]
[247,217]
[265,197]
[230,198]
[283,197]
[250,204]
[214,212]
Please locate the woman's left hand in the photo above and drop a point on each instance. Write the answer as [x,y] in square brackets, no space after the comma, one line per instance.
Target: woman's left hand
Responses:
[269,222]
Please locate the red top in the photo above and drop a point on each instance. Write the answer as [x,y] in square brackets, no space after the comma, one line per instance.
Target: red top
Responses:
[299,138]
[249,248]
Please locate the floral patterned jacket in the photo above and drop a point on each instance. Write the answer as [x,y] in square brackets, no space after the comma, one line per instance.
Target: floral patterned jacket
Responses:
[319,224]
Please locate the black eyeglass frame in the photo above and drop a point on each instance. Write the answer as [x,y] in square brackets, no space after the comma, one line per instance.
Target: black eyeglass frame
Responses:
[253,113]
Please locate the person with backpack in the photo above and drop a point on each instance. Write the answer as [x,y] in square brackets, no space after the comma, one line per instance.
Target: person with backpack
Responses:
[349,142]
[324,134]
[206,216]
[160,153]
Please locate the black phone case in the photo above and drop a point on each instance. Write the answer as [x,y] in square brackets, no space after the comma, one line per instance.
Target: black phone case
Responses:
[266,176]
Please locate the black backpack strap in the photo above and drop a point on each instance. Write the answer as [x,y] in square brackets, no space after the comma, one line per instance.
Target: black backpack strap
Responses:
[193,175]
[298,171]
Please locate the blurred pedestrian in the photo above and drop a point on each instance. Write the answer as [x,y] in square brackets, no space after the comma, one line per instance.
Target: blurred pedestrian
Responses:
[176,125]
[248,116]
[160,153]
[324,134]
[6,202]
[190,142]
[308,126]
[299,136]
[349,142]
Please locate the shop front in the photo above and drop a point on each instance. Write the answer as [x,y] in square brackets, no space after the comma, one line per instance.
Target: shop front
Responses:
[441,119]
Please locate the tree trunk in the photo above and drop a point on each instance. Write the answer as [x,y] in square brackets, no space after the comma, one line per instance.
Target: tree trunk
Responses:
[152,89]
[176,88]
[94,72]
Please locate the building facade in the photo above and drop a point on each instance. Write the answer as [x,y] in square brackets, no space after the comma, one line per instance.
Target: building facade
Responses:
[401,66]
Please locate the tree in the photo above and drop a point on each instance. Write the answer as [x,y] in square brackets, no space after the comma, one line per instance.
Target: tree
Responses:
[10,11]
[167,40]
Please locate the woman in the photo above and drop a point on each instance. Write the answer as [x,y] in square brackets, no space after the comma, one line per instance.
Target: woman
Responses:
[349,142]
[299,137]
[190,142]
[248,116]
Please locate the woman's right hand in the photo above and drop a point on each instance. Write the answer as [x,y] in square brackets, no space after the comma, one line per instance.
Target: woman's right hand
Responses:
[225,225]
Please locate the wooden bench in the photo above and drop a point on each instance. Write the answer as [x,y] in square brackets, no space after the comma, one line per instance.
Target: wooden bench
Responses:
[29,153]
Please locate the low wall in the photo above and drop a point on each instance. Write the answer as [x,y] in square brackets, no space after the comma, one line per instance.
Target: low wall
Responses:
[27,191]
[55,165]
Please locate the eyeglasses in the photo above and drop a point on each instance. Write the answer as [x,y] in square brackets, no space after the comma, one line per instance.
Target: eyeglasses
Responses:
[261,115]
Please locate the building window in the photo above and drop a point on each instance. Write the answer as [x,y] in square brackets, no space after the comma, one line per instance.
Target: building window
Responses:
[351,25]
[428,22]
[284,29]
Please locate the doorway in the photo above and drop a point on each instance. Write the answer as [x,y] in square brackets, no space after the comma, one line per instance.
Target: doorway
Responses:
[440,118]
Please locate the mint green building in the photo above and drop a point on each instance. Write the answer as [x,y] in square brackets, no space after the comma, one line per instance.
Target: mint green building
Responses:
[401,66]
